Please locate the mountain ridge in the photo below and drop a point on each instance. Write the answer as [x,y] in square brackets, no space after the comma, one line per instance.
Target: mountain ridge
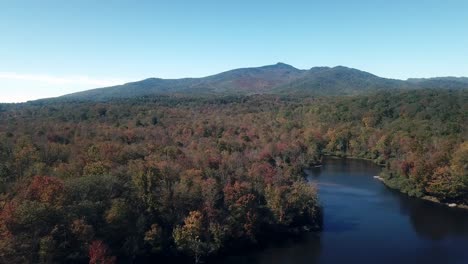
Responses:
[279,78]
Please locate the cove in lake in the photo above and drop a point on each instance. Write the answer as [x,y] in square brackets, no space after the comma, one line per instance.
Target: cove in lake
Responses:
[366,222]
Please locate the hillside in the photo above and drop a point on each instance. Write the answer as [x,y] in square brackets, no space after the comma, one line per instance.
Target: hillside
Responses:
[445,82]
[338,81]
[238,81]
[277,79]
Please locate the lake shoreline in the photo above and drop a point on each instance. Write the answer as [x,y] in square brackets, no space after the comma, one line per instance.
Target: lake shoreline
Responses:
[426,197]
[378,177]
[362,213]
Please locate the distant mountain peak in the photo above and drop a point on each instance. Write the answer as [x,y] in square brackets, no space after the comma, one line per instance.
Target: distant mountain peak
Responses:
[279,78]
[280,65]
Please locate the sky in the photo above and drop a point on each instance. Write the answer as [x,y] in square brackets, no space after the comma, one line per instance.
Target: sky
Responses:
[51,48]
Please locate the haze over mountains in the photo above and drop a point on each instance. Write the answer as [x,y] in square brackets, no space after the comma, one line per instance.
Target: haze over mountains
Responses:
[279,78]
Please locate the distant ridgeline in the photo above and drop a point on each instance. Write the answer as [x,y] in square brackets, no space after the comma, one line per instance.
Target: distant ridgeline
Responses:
[273,79]
[194,177]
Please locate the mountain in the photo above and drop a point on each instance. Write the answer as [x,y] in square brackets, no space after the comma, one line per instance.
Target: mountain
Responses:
[279,78]
[252,80]
[338,81]
[453,79]
[238,81]
[446,82]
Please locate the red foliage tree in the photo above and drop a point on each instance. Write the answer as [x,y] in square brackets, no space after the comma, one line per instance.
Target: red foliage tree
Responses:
[99,253]
[45,189]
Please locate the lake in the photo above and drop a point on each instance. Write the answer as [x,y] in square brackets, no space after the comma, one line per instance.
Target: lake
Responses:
[366,222]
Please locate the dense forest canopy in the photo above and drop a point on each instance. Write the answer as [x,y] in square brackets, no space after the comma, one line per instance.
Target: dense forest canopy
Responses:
[193,177]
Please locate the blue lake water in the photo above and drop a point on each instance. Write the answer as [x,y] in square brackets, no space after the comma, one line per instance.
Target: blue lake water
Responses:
[365,222]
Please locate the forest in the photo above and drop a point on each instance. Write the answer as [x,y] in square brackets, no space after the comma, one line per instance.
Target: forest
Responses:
[183,177]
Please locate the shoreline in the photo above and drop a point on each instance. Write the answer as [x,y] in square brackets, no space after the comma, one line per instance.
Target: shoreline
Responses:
[426,197]
[378,177]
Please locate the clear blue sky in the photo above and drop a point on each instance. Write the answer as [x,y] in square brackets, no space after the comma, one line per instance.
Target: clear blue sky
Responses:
[49,48]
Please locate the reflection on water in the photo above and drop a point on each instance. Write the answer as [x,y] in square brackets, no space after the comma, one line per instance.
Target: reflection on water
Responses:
[435,221]
[366,222]
[305,250]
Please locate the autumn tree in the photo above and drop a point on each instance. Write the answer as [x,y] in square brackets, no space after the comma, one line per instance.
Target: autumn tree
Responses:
[99,253]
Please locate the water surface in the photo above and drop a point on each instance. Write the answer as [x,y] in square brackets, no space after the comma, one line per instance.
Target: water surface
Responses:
[365,222]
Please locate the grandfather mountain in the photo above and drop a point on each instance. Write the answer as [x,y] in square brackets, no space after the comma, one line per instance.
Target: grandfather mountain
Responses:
[279,78]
